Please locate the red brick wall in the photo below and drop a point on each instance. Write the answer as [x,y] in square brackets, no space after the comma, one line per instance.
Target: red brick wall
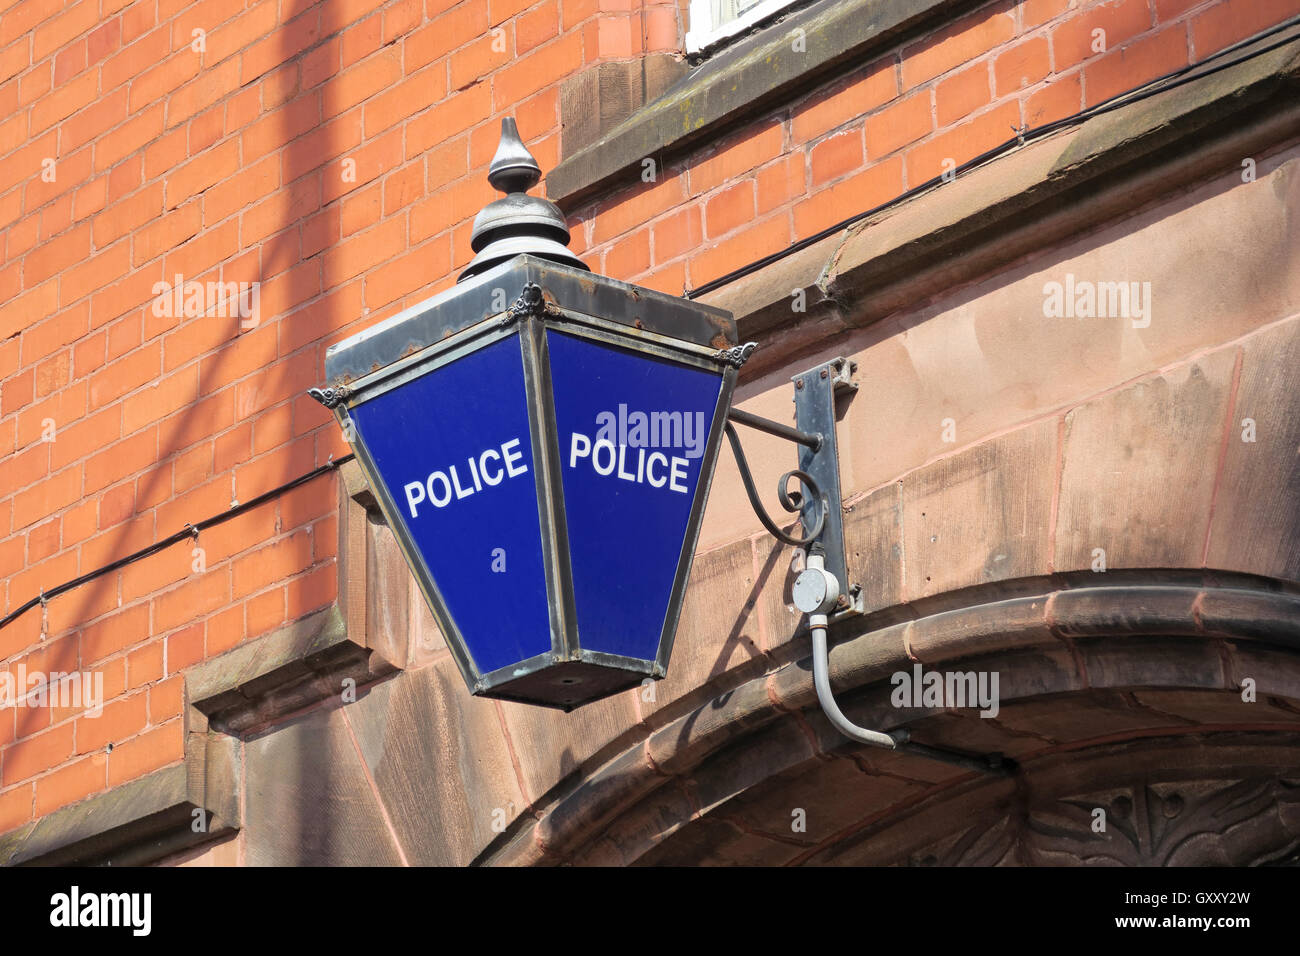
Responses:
[227,163]
[890,124]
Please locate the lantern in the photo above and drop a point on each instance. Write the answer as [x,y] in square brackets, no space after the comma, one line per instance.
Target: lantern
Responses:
[541,442]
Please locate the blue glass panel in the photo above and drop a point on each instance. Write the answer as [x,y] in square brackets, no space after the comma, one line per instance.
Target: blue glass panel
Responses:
[632,433]
[454,451]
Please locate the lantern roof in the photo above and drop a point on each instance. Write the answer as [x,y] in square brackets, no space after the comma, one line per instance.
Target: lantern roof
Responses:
[645,311]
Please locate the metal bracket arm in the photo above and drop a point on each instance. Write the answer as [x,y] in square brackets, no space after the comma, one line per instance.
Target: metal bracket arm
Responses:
[790,502]
[776,428]
[818,466]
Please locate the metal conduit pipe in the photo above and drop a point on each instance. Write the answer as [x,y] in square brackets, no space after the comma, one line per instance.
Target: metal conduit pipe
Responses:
[815,592]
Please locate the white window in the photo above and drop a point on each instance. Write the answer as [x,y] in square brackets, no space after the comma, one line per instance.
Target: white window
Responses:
[713,21]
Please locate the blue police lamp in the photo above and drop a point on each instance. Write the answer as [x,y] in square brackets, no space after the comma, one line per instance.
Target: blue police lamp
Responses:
[541,442]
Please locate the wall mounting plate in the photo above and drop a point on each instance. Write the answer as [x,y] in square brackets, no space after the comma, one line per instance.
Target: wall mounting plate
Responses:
[814,402]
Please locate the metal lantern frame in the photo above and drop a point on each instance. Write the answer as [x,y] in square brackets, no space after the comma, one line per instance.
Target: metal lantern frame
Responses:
[469,317]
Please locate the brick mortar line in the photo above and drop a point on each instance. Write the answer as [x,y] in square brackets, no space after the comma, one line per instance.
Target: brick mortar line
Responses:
[797,715]
[1130,698]
[374,789]
[1058,477]
[611,240]
[744,828]
[529,802]
[1220,466]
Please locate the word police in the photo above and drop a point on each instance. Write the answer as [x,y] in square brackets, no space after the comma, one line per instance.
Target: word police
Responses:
[489,467]
[654,469]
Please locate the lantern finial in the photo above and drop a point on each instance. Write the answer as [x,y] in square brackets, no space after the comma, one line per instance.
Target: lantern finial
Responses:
[513,169]
[517,224]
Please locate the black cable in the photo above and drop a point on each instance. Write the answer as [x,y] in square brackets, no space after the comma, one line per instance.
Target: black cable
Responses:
[189,531]
[1169,81]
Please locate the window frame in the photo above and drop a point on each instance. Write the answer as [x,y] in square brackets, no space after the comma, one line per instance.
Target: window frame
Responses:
[700,39]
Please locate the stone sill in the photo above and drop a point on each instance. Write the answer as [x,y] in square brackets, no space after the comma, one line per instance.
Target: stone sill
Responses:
[744,79]
[298,665]
[144,820]
[243,690]
[307,661]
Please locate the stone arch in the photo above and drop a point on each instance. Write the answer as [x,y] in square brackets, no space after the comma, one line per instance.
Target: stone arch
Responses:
[1124,696]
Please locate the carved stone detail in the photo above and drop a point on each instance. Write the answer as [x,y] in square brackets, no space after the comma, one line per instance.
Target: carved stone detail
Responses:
[1188,823]
[1193,822]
